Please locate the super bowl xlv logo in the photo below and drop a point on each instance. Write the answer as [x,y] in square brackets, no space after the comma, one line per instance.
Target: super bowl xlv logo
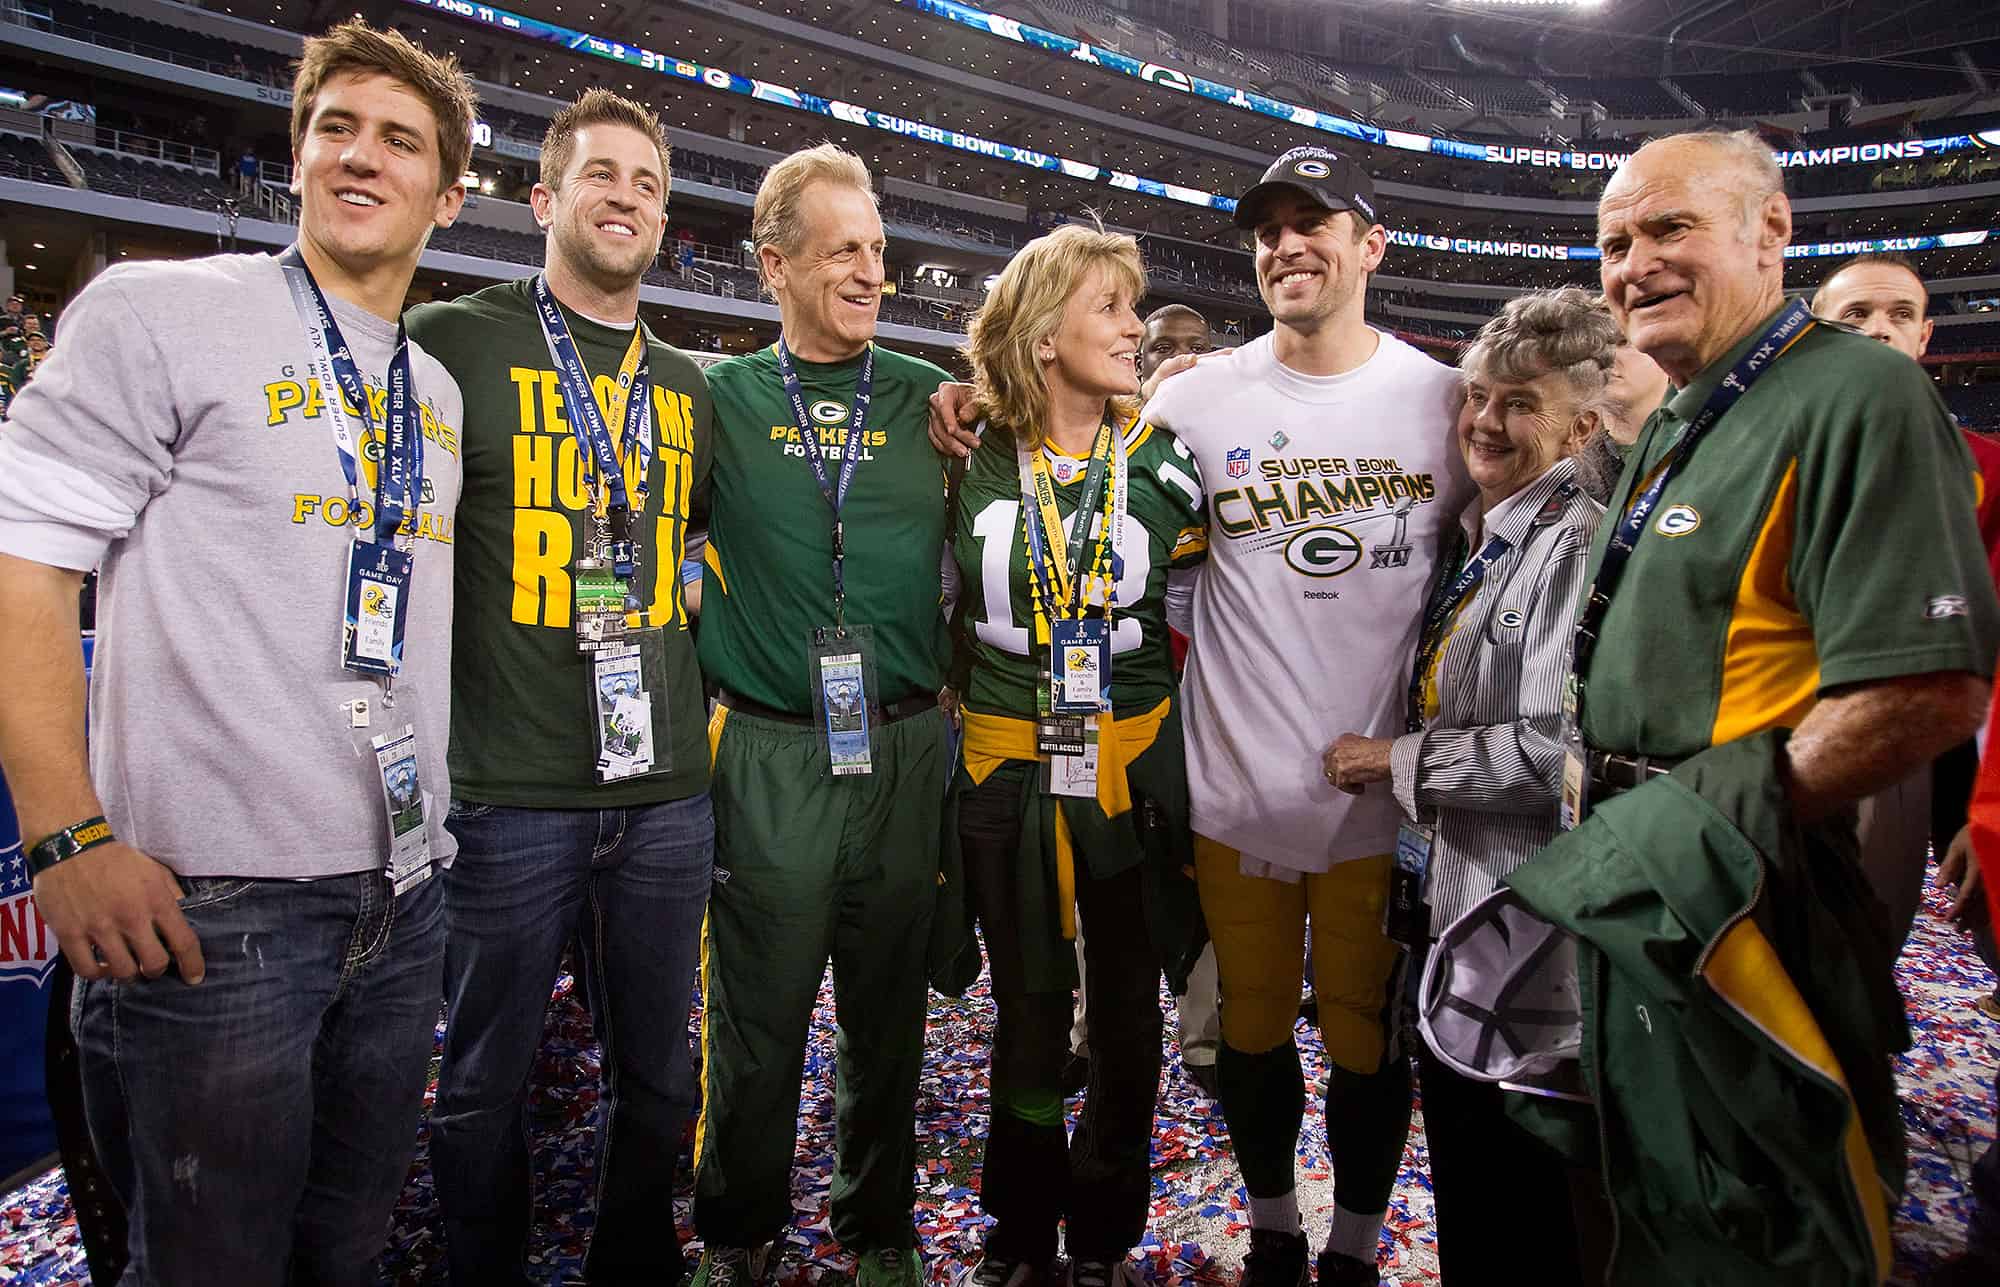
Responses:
[27,945]
[1396,553]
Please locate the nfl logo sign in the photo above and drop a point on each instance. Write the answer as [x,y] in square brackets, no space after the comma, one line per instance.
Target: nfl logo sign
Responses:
[1237,462]
[27,948]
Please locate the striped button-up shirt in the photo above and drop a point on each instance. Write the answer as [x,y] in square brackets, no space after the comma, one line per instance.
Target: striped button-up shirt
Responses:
[1486,767]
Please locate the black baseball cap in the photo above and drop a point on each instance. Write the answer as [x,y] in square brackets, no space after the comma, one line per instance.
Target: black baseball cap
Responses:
[1320,173]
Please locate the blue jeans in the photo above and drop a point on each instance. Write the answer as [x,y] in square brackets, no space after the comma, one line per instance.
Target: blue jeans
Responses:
[258,1127]
[631,885]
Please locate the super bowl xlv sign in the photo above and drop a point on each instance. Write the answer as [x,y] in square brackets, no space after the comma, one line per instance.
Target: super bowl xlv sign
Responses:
[27,946]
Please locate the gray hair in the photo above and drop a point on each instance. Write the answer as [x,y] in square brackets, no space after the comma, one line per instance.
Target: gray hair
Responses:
[1564,330]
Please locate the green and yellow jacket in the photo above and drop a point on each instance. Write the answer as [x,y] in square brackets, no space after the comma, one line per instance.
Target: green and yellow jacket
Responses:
[1739,1012]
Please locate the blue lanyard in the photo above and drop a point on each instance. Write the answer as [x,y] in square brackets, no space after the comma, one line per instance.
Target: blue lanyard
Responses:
[850,456]
[602,468]
[1795,321]
[1445,601]
[396,485]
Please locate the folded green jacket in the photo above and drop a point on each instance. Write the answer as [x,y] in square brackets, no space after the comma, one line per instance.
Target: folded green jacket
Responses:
[1740,1011]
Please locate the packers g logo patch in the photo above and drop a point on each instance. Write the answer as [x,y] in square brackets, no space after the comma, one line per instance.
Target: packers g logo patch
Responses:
[1323,551]
[1312,169]
[1677,520]
[828,412]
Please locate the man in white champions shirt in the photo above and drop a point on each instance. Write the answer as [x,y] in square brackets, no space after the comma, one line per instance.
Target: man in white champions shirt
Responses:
[1327,449]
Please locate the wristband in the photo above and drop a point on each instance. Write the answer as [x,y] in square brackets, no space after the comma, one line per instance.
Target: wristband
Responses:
[68,843]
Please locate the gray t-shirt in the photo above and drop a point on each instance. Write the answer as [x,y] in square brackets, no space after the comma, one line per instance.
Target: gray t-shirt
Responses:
[176,439]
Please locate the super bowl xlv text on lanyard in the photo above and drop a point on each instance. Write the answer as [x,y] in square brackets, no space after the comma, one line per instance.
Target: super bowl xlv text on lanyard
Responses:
[1641,500]
[840,657]
[376,598]
[627,664]
[1073,634]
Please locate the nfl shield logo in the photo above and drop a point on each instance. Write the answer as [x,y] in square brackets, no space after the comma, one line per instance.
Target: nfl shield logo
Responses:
[1237,462]
[27,948]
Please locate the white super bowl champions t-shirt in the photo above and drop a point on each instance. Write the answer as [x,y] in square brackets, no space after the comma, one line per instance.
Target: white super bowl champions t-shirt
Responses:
[1329,501]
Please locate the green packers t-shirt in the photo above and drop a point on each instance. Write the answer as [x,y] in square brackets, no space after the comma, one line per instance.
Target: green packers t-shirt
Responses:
[769,563]
[521,729]
[1822,534]
[1164,529]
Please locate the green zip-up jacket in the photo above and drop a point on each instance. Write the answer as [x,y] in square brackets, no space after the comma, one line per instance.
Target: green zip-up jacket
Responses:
[1739,1012]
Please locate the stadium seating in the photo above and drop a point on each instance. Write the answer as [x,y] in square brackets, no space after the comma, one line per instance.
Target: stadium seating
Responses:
[176,45]
[26,158]
[1620,96]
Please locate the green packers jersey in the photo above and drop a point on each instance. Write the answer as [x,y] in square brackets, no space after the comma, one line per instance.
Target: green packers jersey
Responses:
[1164,528]
[768,579]
[1822,535]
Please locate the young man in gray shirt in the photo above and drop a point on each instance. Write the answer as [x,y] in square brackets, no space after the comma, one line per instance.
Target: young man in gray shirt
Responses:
[268,475]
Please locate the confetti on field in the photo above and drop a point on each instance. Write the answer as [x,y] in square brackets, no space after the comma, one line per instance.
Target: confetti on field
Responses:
[1199,1226]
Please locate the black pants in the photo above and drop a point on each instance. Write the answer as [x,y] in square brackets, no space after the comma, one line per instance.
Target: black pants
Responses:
[1507,1204]
[1031,1179]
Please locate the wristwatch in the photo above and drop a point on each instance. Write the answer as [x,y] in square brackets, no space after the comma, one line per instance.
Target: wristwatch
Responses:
[68,843]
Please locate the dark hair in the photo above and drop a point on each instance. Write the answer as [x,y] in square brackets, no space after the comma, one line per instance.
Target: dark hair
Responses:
[1165,311]
[354,46]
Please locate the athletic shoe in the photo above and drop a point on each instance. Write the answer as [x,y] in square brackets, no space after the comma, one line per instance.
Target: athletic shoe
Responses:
[1336,1270]
[1102,1273]
[1275,1260]
[890,1267]
[1203,1077]
[729,1267]
[993,1271]
[1989,1005]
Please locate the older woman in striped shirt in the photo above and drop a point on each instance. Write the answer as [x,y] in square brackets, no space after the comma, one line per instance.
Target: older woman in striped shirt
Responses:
[1478,771]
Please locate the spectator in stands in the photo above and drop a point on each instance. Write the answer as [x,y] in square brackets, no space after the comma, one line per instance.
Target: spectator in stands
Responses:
[241,884]
[820,568]
[238,69]
[247,167]
[550,844]
[32,356]
[1870,629]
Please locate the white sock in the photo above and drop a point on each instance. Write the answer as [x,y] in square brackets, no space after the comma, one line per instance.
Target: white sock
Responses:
[1279,1213]
[1354,1234]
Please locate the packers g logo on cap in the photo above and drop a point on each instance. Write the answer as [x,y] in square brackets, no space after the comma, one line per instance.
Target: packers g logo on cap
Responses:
[828,413]
[1312,169]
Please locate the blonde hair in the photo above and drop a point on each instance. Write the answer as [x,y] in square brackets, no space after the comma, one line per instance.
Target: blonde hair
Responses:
[776,219]
[1026,307]
[356,47]
[598,107]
